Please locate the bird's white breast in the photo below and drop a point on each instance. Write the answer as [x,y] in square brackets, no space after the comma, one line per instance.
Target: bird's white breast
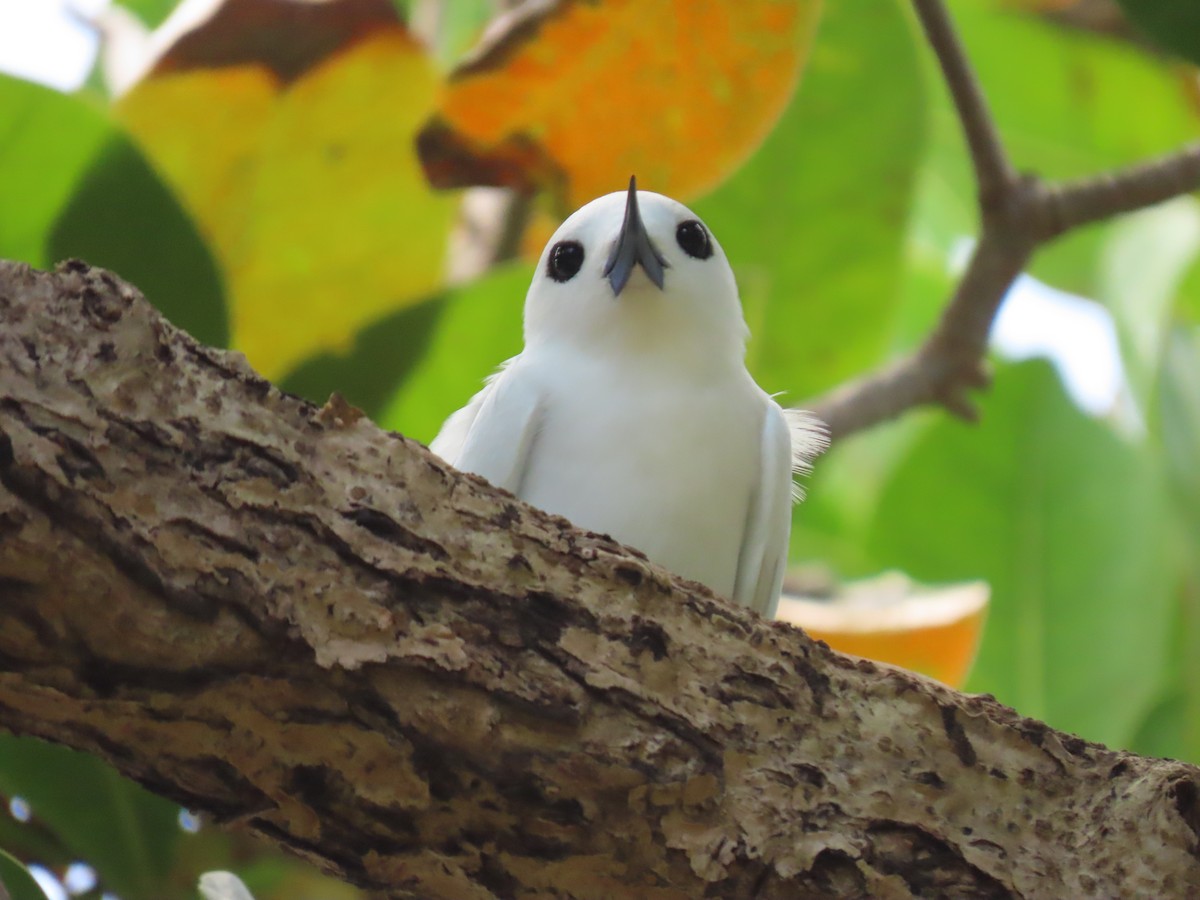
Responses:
[659,461]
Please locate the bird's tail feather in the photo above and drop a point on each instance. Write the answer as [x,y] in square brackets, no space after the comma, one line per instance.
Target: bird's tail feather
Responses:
[810,438]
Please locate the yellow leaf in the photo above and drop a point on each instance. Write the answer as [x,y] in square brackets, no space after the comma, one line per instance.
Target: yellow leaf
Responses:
[578,96]
[300,170]
[934,631]
[212,165]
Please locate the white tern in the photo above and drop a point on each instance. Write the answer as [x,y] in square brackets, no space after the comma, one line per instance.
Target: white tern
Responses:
[630,411]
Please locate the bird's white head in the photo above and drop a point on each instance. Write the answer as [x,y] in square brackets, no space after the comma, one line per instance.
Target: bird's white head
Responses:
[634,271]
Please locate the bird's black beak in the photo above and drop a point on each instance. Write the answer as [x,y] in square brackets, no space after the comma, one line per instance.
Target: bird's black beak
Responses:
[632,248]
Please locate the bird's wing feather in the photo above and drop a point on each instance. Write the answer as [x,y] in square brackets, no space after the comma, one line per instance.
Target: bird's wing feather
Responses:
[453,434]
[763,554]
[492,434]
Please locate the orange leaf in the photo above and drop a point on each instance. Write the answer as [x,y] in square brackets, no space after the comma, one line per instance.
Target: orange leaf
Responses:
[287,129]
[934,631]
[577,96]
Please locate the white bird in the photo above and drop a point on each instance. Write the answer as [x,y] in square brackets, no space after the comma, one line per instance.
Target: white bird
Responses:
[630,411]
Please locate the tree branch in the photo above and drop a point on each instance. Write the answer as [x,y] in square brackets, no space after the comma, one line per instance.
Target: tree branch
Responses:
[993,171]
[320,632]
[1018,214]
[1072,204]
[949,363]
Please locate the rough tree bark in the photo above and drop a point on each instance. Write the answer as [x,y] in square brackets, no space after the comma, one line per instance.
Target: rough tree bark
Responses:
[316,630]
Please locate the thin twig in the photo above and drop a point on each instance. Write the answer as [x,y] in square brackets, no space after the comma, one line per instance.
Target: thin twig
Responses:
[993,171]
[950,362]
[1019,214]
[1082,202]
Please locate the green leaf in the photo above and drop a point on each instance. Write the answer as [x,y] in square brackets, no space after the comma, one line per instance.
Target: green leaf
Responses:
[1180,404]
[1067,110]
[152,12]
[381,357]
[479,328]
[832,525]
[71,184]
[126,833]
[814,222]
[459,27]
[1066,521]
[279,878]
[1162,732]
[1145,258]
[15,878]
[1188,306]
[32,840]
[1173,24]
[312,201]
[47,141]
[123,218]
[1177,725]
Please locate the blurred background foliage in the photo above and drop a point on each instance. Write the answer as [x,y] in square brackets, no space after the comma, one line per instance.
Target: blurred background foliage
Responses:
[296,181]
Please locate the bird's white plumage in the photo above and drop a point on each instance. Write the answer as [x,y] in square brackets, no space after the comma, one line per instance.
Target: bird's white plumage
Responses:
[763,555]
[633,414]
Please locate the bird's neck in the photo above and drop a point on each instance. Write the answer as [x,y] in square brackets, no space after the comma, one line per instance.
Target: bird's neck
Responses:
[651,336]
[652,352]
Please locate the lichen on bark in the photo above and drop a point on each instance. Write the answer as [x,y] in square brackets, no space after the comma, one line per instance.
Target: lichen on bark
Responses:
[318,631]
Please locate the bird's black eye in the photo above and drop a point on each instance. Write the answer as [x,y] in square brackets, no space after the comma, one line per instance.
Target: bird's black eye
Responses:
[566,258]
[693,238]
